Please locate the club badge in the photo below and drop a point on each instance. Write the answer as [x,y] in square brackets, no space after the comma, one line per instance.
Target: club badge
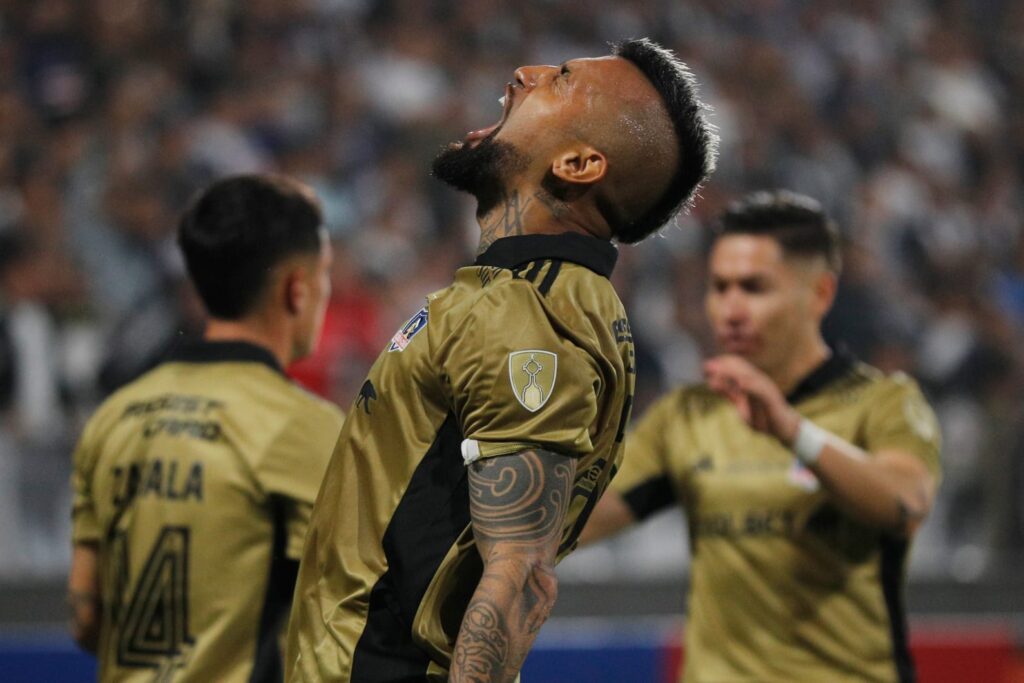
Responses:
[532,374]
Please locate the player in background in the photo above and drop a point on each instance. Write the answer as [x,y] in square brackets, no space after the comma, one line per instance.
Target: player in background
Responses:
[193,485]
[491,423]
[803,472]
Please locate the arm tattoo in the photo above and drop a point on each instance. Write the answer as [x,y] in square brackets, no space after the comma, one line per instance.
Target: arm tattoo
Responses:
[509,222]
[518,505]
[482,651]
[520,498]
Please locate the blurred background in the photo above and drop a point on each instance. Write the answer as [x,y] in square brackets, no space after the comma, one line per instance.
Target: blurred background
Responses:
[905,119]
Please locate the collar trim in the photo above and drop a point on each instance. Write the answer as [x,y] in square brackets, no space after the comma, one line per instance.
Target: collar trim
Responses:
[224,352]
[831,369]
[590,252]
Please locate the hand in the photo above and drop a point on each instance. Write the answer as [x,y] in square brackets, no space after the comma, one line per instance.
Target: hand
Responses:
[759,401]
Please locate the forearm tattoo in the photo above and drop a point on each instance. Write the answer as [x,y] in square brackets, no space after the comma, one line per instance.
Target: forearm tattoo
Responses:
[518,505]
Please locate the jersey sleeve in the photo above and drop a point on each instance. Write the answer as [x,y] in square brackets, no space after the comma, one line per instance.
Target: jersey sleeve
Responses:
[644,480]
[519,377]
[901,419]
[85,526]
[293,467]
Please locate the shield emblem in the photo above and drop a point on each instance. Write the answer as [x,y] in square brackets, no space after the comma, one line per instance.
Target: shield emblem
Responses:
[532,374]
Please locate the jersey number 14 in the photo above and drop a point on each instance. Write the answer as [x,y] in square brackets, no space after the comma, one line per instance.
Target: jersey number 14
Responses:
[152,626]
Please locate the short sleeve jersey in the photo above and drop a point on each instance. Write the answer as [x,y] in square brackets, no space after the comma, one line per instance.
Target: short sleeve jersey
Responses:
[196,482]
[784,585]
[528,349]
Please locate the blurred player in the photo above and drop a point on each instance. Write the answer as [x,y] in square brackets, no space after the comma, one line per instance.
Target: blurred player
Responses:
[802,472]
[492,421]
[193,485]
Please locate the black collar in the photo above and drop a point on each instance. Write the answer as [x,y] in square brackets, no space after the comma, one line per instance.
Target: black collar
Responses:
[590,252]
[831,369]
[224,352]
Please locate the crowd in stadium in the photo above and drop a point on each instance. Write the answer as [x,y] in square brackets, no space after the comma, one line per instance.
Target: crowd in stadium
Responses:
[905,119]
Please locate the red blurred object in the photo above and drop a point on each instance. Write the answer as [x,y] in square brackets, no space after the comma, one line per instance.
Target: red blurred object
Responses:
[350,332]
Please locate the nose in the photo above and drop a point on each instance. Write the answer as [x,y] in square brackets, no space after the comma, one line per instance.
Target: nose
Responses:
[529,76]
[735,308]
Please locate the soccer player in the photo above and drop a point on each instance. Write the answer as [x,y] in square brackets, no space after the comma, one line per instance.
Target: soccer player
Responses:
[803,472]
[194,484]
[493,420]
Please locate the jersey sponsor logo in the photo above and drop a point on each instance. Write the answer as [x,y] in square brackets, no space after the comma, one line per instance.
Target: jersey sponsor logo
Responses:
[748,523]
[408,331]
[532,373]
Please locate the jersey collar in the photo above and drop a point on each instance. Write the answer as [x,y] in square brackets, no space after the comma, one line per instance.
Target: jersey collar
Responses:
[224,352]
[590,252]
[831,369]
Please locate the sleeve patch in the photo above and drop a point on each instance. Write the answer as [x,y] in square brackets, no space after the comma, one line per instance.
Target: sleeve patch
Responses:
[532,374]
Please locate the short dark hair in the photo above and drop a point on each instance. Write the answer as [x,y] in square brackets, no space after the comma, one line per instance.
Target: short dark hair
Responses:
[696,136]
[235,231]
[797,222]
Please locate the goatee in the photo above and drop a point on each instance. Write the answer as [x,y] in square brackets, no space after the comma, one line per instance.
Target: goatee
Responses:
[483,171]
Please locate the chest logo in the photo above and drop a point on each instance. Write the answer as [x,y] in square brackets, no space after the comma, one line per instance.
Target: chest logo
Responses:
[532,374]
[408,331]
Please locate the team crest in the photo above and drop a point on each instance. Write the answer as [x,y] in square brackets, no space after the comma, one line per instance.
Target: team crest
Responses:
[532,374]
[408,331]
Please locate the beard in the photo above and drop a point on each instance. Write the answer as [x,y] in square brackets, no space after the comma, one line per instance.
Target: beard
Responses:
[483,171]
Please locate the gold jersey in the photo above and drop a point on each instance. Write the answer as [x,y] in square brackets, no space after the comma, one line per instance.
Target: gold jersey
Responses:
[784,585]
[528,348]
[196,481]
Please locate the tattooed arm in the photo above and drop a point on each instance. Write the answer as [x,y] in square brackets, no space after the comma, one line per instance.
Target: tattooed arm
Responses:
[518,505]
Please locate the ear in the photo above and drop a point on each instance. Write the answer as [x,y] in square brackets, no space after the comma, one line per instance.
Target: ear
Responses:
[825,285]
[296,291]
[582,165]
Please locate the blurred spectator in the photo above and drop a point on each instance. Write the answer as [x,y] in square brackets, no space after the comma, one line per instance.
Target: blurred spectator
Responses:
[905,119]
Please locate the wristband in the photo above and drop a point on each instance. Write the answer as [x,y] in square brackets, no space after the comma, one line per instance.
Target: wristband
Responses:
[809,442]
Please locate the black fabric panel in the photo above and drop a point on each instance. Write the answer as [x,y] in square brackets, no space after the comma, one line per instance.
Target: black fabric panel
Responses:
[428,520]
[549,278]
[894,554]
[590,252]
[267,664]
[650,497]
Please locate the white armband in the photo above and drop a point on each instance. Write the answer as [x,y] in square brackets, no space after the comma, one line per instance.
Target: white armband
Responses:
[809,442]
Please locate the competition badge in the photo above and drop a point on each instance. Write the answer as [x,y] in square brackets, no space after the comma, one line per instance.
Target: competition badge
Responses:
[532,374]
[408,331]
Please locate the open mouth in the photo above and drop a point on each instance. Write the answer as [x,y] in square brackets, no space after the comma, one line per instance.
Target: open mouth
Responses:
[474,138]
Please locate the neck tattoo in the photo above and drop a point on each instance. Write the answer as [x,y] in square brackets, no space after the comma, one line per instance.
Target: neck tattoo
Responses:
[506,224]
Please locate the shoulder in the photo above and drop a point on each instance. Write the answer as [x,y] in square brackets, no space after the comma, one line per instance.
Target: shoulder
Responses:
[876,384]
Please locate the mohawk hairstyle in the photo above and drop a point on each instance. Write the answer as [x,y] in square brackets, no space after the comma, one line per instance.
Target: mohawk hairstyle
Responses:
[697,137]
[797,222]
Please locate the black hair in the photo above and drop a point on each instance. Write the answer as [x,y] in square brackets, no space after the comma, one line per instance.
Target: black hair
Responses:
[797,222]
[695,135]
[235,231]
